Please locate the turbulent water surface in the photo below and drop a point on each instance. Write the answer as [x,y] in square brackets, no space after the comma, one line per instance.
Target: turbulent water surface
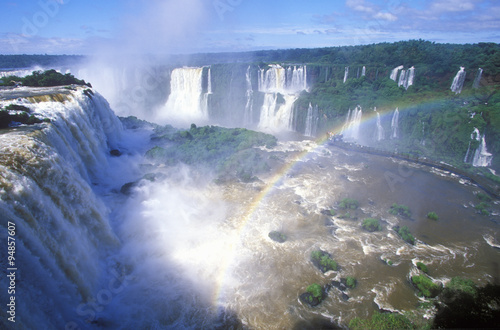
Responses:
[184,252]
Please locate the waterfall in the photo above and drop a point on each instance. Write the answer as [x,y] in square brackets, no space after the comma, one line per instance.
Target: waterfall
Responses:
[350,130]
[402,79]
[363,72]
[395,125]
[477,80]
[282,88]
[458,81]
[380,130]
[346,73]
[410,77]
[209,83]
[311,120]
[394,72]
[186,102]
[48,175]
[481,156]
[248,115]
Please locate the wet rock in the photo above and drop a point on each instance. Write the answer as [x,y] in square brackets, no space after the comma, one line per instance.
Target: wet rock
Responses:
[277,236]
[115,153]
[344,297]
[126,189]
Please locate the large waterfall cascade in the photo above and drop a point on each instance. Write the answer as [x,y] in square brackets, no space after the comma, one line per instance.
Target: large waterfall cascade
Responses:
[187,100]
[406,77]
[395,71]
[47,177]
[282,88]
[458,81]
[346,73]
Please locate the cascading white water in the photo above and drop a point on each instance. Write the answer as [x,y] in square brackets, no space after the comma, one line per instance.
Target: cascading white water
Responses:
[458,81]
[395,124]
[406,77]
[380,134]
[363,72]
[477,80]
[248,115]
[402,78]
[47,175]
[346,73]
[481,156]
[282,88]
[311,121]
[410,77]
[186,102]
[395,71]
[350,130]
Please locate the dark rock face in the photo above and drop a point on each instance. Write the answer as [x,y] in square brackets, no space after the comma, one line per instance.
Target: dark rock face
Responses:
[115,153]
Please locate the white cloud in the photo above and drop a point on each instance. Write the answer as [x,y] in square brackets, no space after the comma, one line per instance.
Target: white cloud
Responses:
[441,6]
[360,5]
[386,16]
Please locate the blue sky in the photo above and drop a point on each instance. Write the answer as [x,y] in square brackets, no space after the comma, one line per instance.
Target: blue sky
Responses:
[189,26]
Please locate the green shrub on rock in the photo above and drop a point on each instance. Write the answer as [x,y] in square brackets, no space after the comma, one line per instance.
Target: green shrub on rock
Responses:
[349,203]
[371,225]
[323,261]
[426,286]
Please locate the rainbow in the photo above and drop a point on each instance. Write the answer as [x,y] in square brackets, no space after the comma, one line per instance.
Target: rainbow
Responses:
[368,117]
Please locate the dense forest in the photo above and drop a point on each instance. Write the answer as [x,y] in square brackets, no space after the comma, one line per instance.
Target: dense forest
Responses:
[30,61]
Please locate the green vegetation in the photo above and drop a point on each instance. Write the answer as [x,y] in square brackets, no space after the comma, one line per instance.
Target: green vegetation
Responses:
[229,151]
[28,61]
[315,289]
[349,203]
[314,295]
[460,284]
[277,236]
[371,225]
[46,78]
[422,267]
[351,282]
[323,261]
[400,210]
[382,321]
[482,208]
[426,287]
[404,233]
[483,197]
[432,216]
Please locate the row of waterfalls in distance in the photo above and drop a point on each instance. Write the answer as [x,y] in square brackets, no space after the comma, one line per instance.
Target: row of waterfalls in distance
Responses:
[270,96]
[264,98]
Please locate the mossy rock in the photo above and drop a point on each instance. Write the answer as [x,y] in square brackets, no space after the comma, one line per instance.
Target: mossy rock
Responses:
[426,286]
[277,236]
[314,296]
[323,261]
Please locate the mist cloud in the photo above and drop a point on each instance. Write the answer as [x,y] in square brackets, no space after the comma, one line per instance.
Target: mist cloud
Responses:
[162,26]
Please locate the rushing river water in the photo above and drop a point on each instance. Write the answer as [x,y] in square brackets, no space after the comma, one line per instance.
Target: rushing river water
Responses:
[197,248]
